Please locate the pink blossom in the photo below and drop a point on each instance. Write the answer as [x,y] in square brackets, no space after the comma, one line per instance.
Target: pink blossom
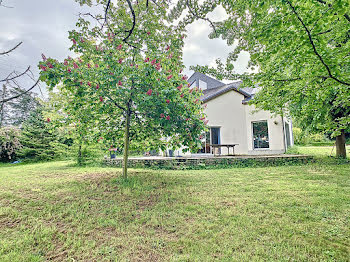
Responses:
[158,67]
[49,65]
[187,119]
[167,48]
[69,71]
[44,57]
[149,92]
[43,67]
[202,118]
[181,71]
[89,84]
[167,117]
[81,83]
[137,66]
[119,47]
[147,60]
[180,87]
[69,58]
[89,66]
[153,62]
[168,101]
[162,115]
[111,73]
[182,95]
[97,86]
[148,33]
[75,65]
[101,99]
[120,83]
[131,65]
[74,42]
[196,101]
[206,122]
[79,60]
[96,65]
[48,120]
[65,62]
[82,40]
[184,78]
[120,60]
[169,77]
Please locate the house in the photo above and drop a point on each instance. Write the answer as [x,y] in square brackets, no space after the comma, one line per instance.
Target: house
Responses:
[233,121]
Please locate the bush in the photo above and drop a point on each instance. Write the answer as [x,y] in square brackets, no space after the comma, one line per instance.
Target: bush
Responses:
[89,154]
[9,143]
[303,138]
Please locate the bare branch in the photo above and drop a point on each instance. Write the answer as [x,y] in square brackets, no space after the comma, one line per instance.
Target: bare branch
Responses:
[9,51]
[8,78]
[20,94]
[314,47]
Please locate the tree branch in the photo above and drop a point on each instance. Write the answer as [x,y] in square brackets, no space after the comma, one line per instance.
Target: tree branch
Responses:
[9,51]
[133,22]
[8,78]
[106,11]
[314,47]
[20,94]
[203,18]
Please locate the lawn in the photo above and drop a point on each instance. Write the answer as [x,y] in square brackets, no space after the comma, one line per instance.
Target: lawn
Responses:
[55,211]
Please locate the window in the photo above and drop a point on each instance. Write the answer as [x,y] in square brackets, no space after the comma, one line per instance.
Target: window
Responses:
[260,135]
[208,138]
[202,85]
[205,140]
[215,135]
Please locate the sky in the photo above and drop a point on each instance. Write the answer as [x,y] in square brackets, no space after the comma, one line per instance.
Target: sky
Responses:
[43,27]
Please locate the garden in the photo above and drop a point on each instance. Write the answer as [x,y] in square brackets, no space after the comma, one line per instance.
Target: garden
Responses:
[121,90]
[59,211]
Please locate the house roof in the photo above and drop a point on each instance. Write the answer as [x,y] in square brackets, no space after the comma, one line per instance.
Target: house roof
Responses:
[216,88]
[211,82]
[212,93]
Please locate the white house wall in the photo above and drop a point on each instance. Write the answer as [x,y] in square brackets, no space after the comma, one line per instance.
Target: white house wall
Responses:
[228,113]
[275,131]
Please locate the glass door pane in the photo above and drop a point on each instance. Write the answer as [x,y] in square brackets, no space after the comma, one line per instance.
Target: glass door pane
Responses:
[260,134]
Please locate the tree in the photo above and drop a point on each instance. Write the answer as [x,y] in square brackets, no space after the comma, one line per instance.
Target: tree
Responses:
[17,110]
[129,81]
[299,56]
[37,138]
[9,143]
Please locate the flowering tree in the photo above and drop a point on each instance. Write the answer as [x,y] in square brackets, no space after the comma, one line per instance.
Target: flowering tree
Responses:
[131,79]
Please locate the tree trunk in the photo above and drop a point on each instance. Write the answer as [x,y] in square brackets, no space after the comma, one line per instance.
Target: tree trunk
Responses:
[80,160]
[340,145]
[126,145]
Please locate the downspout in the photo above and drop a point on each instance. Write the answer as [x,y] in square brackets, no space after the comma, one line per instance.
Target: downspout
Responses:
[284,133]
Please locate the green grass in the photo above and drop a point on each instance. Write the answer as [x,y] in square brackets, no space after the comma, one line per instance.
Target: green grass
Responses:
[317,151]
[56,211]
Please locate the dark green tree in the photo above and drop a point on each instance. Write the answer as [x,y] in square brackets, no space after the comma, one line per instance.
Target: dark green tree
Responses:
[37,138]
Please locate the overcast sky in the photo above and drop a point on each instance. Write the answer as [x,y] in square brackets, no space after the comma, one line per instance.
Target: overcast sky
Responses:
[43,27]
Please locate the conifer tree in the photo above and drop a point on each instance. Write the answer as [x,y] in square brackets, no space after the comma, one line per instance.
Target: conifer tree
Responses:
[37,139]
